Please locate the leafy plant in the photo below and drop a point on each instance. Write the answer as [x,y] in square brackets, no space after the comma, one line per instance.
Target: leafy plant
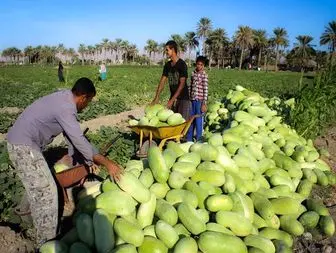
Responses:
[315,105]
[11,188]
[127,86]
[6,121]
[121,150]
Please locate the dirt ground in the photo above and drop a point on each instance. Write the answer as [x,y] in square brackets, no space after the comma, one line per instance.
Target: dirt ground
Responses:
[13,242]
[10,110]
[117,120]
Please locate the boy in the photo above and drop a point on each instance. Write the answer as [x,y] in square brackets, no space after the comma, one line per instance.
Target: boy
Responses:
[176,72]
[198,97]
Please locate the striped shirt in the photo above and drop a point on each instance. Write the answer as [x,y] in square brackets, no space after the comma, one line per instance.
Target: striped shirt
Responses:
[199,86]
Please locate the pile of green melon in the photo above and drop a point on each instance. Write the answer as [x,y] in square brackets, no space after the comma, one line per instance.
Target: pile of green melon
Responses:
[246,189]
[158,116]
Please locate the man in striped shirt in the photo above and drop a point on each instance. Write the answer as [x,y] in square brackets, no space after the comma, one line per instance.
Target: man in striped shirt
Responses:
[198,97]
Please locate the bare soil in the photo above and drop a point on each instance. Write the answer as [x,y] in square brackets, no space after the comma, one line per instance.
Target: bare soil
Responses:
[119,120]
[12,242]
[10,110]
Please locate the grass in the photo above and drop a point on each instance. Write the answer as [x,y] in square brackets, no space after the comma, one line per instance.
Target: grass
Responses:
[128,86]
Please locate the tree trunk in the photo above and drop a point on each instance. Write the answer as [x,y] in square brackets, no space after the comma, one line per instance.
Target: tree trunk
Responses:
[259,57]
[210,60]
[265,62]
[241,58]
[203,47]
[277,58]
[189,57]
[82,59]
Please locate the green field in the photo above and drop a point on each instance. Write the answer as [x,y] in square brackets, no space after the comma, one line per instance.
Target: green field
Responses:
[126,86]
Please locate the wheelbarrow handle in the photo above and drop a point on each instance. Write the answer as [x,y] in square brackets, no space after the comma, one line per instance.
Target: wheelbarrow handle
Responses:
[85,131]
[191,119]
[189,122]
[107,147]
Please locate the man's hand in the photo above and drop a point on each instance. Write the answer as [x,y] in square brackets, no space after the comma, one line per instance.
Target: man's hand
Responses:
[94,168]
[114,170]
[112,167]
[203,108]
[170,104]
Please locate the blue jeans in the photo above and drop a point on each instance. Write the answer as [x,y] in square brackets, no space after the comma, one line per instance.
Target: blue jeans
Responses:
[197,123]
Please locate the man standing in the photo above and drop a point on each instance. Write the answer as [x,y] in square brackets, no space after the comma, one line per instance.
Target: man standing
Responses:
[176,72]
[33,130]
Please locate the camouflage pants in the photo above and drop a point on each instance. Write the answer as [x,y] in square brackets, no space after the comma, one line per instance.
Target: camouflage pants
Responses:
[41,189]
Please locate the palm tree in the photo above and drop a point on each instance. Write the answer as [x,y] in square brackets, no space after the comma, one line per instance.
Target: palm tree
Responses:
[204,26]
[98,52]
[280,40]
[53,51]
[151,47]
[81,51]
[260,42]
[244,40]
[113,51]
[15,53]
[105,45]
[217,41]
[124,49]
[328,37]
[71,53]
[321,58]
[269,50]
[118,43]
[191,43]
[180,41]
[162,52]
[303,50]
[61,50]
[131,52]
[28,52]
[90,51]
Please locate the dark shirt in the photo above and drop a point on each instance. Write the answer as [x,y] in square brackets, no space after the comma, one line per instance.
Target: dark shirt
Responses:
[174,73]
[60,69]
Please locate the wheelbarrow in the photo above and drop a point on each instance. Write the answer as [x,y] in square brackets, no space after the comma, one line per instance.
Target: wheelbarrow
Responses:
[163,134]
[77,175]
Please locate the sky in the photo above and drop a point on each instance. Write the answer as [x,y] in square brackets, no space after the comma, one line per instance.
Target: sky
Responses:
[71,22]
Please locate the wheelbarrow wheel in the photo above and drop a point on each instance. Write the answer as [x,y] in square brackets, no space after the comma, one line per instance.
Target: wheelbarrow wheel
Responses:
[142,152]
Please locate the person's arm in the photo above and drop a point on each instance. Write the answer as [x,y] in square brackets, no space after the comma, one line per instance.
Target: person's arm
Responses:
[71,148]
[182,81]
[112,167]
[159,89]
[68,121]
[205,93]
